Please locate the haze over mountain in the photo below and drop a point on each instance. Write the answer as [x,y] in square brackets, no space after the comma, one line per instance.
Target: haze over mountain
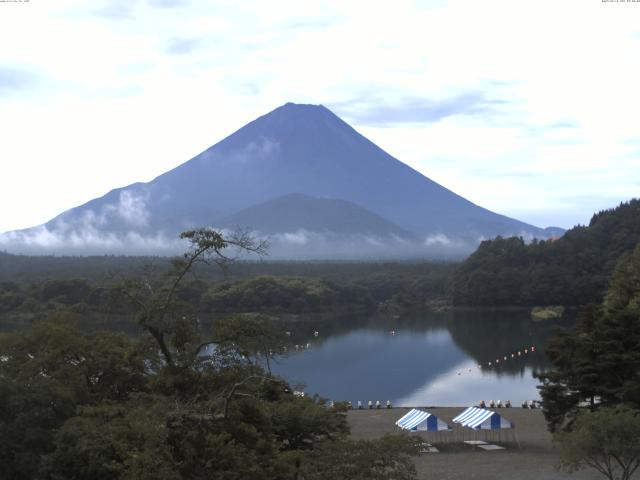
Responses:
[351,196]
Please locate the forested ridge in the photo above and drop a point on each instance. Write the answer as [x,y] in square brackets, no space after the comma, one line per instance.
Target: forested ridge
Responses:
[86,286]
[571,270]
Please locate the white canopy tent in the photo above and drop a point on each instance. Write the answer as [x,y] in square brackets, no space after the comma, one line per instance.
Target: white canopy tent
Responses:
[420,420]
[480,419]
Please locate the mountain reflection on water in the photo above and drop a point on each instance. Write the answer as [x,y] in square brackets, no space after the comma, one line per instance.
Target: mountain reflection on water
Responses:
[432,359]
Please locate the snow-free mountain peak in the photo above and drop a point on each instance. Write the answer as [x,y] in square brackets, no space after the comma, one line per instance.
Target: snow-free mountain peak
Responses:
[303,149]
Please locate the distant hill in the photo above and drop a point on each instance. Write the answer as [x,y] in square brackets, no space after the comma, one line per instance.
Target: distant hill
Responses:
[572,270]
[297,211]
[303,149]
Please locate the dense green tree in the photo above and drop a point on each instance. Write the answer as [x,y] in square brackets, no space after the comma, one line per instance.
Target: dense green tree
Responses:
[286,294]
[175,403]
[597,362]
[388,457]
[46,373]
[66,292]
[607,440]
[126,440]
[571,270]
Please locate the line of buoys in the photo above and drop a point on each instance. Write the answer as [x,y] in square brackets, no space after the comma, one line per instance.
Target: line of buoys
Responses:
[497,361]
[504,358]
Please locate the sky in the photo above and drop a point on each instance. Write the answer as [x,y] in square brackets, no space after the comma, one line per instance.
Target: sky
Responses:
[528,108]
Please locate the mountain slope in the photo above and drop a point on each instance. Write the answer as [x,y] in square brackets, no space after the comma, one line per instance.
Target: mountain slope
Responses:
[295,148]
[308,149]
[297,211]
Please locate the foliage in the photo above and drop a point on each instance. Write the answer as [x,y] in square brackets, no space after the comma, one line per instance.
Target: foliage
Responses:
[286,294]
[571,270]
[389,457]
[607,440]
[289,288]
[46,373]
[598,360]
[176,403]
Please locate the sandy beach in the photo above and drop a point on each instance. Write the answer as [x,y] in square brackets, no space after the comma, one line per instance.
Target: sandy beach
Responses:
[532,457]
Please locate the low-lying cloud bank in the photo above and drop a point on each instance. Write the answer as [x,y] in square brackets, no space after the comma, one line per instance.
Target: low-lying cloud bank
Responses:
[125,226]
[43,241]
[63,239]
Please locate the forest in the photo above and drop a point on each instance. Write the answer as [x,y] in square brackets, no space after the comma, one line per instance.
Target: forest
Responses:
[76,404]
[571,270]
[33,287]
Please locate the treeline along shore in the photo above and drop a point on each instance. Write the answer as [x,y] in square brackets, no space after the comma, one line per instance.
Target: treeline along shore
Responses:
[505,272]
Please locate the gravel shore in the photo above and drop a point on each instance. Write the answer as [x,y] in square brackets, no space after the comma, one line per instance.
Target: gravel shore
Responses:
[529,455]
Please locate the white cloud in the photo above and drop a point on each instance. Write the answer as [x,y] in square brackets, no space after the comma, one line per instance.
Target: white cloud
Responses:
[131,207]
[438,239]
[65,240]
[306,244]
[300,237]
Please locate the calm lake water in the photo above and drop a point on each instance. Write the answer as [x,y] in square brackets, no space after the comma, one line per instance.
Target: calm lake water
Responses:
[429,359]
[432,359]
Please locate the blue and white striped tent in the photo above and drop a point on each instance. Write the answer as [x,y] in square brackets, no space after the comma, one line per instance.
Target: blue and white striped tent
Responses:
[481,419]
[422,421]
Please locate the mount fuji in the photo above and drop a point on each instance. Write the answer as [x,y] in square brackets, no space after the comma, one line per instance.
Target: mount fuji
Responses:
[298,175]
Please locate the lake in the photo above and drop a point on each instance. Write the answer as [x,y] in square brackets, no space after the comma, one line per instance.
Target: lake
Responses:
[421,359]
[418,359]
